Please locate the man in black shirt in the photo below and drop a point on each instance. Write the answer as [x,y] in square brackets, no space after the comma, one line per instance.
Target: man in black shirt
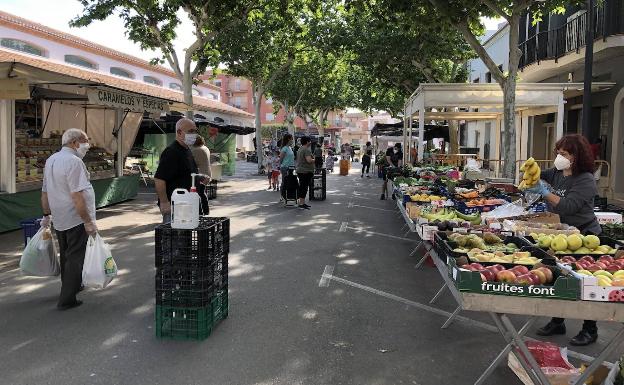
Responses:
[394,158]
[175,166]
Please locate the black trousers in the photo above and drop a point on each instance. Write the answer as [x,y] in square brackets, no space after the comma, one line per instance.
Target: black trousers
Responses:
[366,163]
[72,244]
[588,325]
[305,179]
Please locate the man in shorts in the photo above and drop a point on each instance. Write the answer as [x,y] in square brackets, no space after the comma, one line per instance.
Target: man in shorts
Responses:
[394,158]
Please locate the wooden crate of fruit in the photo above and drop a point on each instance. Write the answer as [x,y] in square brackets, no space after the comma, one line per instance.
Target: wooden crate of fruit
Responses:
[516,280]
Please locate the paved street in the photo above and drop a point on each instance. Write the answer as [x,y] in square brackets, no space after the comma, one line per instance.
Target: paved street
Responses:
[285,325]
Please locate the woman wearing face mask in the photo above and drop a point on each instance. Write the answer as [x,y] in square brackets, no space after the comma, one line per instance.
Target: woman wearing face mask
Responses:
[571,195]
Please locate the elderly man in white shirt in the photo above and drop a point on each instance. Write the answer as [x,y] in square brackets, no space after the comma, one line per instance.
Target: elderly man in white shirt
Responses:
[68,197]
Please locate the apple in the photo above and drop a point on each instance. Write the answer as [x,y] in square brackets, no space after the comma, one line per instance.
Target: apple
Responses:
[541,275]
[483,279]
[612,268]
[548,272]
[586,264]
[524,279]
[477,266]
[498,267]
[617,282]
[587,258]
[605,259]
[594,267]
[520,270]
[603,266]
[568,259]
[489,274]
[578,266]
[537,279]
[506,276]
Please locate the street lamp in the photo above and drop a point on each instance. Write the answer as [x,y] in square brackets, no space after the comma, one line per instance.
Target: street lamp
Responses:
[589,60]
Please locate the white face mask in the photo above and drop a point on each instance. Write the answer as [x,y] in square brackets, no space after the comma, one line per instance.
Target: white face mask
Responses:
[395,150]
[189,139]
[82,149]
[562,163]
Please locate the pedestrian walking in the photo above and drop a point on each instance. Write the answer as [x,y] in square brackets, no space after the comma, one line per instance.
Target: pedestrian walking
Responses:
[366,159]
[305,170]
[394,158]
[68,199]
[201,155]
[176,166]
[267,162]
[275,169]
[329,161]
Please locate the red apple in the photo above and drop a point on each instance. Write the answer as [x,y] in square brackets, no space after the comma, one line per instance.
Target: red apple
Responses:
[537,279]
[496,268]
[541,275]
[605,259]
[578,266]
[520,269]
[548,272]
[524,279]
[612,268]
[477,266]
[506,276]
[489,275]
[603,266]
[587,258]
[483,279]
[466,266]
[586,264]
[568,259]
[594,267]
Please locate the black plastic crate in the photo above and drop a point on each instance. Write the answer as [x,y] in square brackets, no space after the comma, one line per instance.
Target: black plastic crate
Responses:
[191,323]
[197,248]
[188,287]
[211,190]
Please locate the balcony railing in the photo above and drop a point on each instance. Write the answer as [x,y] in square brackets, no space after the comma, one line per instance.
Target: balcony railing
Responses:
[555,43]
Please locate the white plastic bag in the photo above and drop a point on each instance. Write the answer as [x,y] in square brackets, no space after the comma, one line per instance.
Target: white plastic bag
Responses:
[39,258]
[99,267]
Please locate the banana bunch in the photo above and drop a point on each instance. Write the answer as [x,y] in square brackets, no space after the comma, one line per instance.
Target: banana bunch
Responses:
[445,214]
[474,219]
[531,174]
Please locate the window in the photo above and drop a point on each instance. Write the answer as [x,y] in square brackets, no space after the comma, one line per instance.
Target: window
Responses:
[175,86]
[488,77]
[196,92]
[269,100]
[121,72]
[217,82]
[269,117]
[237,85]
[22,46]
[80,61]
[152,80]
[238,102]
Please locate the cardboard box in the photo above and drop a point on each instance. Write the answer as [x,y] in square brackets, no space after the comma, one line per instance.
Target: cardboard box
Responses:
[607,218]
[540,218]
[565,377]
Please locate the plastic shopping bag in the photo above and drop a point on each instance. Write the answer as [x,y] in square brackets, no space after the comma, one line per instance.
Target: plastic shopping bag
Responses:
[99,267]
[39,258]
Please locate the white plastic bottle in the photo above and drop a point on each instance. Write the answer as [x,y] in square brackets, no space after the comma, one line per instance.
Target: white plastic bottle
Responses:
[184,209]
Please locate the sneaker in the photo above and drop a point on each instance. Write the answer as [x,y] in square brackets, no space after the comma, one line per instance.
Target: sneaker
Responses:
[69,306]
[368,176]
[551,328]
[584,338]
[307,206]
[393,197]
[304,207]
[269,189]
[362,175]
[383,197]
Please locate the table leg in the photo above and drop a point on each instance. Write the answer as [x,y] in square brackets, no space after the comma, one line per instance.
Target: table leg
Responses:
[449,321]
[503,354]
[416,249]
[422,260]
[439,293]
[532,369]
[601,357]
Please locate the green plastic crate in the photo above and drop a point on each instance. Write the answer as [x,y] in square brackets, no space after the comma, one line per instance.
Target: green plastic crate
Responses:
[191,323]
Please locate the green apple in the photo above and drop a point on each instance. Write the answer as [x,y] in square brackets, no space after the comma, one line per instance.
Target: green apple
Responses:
[591,241]
[559,243]
[544,242]
[575,242]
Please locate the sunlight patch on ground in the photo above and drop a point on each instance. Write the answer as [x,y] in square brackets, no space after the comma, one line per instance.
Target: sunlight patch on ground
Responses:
[116,339]
[29,288]
[309,314]
[351,261]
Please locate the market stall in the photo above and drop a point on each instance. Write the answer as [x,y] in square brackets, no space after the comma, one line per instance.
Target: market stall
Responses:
[53,98]
[484,102]
[501,255]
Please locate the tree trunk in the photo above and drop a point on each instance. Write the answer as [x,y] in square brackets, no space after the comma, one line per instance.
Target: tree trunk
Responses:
[290,118]
[453,137]
[187,84]
[257,100]
[509,122]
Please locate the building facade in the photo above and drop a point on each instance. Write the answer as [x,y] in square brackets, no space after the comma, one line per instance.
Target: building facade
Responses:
[553,51]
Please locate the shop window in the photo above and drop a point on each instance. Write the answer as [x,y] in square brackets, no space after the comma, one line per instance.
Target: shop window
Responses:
[175,86]
[152,80]
[80,61]
[196,92]
[121,72]
[22,46]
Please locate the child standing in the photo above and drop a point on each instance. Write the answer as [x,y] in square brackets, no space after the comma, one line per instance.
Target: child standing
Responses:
[268,166]
[275,166]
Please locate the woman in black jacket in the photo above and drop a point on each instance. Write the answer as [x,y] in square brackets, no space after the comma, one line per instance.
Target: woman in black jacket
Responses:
[570,193]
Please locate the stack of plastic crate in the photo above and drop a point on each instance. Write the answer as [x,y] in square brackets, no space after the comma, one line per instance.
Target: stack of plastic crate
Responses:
[191,278]
[318,186]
